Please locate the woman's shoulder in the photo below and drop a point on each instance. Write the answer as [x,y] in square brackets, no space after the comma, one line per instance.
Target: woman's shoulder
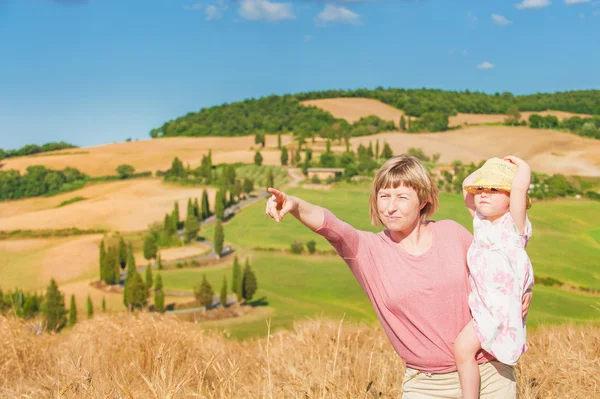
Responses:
[446,224]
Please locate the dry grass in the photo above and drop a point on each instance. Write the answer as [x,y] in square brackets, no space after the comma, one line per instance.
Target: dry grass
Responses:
[152,155]
[123,205]
[472,119]
[352,109]
[576,155]
[31,263]
[159,357]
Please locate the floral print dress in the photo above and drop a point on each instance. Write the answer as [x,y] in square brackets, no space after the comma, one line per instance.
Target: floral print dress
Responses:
[500,273]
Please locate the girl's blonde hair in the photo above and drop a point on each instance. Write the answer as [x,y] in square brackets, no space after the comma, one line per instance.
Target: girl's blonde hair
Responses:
[408,171]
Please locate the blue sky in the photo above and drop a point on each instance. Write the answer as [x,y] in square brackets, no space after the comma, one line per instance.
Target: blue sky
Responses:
[99,71]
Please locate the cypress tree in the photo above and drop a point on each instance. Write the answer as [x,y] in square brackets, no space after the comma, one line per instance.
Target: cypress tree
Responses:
[249,282]
[168,226]
[204,293]
[191,227]
[149,279]
[111,264]
[122,253]
[102,259]
[224,293]
[279,140]
[197,209]
[219,205]
[175,217]
[103,304]
[131,271]
[236,278]
[270,179]
[377,149]
[90,307]
[205,211]
[258,159]
[219,238]
[72,312]
[131,268]
[150,246]
[387,151]
[159,264]
[402,123]
[159,301]
[53,308]
[370,152]
[284,156]
[158,284]
[136,293]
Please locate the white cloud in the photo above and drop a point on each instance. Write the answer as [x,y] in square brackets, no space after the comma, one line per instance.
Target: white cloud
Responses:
[336,14]
[307,38]
[264,10]
[533,4]
[486,65]
[571,2]
[472,19]
[500,20]
[212,12]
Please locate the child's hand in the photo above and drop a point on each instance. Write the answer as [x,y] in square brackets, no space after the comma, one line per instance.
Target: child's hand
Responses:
[518,162]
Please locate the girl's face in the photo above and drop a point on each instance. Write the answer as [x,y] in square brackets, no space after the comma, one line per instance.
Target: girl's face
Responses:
[399,208]
[492,203]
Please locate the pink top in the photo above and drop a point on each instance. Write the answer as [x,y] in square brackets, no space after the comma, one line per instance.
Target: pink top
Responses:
[421,301]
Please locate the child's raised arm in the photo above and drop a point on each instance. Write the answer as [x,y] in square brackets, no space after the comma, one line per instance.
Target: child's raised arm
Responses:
[518,192]
[469,197]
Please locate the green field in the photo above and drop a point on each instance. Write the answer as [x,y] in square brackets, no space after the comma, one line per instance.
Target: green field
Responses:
[564,246]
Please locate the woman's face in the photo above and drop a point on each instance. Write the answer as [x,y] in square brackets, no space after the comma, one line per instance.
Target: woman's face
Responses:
[399,208]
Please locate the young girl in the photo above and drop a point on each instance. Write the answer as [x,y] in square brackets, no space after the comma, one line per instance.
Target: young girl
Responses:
[500,271]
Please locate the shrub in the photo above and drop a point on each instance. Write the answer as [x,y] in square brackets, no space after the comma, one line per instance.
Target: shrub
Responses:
[311,246]
[297,247]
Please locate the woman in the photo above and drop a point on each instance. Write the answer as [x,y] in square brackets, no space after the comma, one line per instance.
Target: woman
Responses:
[415,275]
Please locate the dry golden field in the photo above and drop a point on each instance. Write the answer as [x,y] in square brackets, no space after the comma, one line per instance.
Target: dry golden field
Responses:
[124,206]
[150,356]
[472,119]
[548,151]
[152,155]
[352,109]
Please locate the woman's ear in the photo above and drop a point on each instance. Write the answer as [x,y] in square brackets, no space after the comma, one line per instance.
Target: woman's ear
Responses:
[422,205]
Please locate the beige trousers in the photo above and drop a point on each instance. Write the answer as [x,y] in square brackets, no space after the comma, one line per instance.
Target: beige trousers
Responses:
[497,382]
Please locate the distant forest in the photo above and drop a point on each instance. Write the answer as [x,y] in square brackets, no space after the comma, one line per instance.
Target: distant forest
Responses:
[31,149]
[283,114]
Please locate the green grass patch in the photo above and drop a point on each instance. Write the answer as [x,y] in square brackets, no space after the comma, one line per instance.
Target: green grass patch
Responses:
[71,201]
[295,286]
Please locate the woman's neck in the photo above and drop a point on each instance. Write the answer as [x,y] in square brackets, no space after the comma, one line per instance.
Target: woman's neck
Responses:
[415,240]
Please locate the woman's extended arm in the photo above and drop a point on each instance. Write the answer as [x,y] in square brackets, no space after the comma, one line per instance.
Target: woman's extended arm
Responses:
[280,204]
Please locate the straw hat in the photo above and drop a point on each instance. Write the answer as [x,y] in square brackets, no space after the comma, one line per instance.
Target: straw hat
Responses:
[495,173]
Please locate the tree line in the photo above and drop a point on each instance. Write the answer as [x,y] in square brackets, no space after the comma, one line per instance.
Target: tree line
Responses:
[31,149]
[39,180]
[283,114]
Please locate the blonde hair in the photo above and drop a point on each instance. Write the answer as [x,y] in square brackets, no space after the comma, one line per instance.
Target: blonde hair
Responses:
[408,171]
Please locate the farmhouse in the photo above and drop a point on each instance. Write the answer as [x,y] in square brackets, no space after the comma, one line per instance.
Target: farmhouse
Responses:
[325,173]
